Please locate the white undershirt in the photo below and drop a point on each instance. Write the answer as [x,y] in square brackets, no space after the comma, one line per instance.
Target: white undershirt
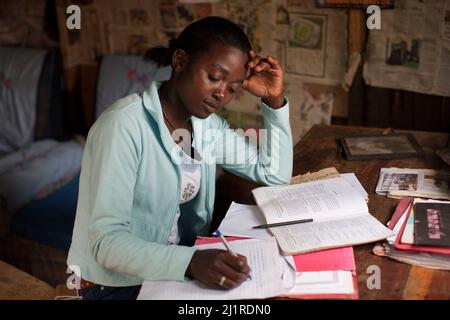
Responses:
[190,185]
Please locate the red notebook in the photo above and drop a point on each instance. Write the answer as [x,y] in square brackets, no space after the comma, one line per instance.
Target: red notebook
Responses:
[402,206]
[325,260]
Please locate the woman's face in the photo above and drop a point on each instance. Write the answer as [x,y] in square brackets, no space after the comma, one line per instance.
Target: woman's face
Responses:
[210,80]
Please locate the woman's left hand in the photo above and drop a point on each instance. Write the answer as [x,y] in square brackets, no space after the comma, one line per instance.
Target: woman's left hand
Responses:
[265,79]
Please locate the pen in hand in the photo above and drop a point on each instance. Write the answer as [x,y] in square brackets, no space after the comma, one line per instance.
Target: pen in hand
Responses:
[225,243]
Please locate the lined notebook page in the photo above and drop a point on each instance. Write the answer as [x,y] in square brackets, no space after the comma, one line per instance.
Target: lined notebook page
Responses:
[266,271]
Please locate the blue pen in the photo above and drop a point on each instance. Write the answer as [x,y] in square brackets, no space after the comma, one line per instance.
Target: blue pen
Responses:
[225,243]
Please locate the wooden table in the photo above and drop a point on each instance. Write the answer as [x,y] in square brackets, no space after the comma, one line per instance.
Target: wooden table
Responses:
[16,284]
[318,150]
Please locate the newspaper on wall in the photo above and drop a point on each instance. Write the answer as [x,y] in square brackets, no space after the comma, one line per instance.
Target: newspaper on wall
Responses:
[412,49]
[312,42]
[306,108]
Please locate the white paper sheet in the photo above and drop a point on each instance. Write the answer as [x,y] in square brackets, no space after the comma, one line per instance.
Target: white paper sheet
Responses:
[267,273]
[354,182]
[323,282]
[240,219]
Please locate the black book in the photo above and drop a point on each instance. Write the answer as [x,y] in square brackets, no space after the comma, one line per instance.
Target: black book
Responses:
[432,224]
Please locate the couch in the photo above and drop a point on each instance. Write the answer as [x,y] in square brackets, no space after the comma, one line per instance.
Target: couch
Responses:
[39,169]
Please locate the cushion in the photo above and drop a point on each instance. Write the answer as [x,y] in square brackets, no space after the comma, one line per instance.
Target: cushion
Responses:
[35,172]
[20,71]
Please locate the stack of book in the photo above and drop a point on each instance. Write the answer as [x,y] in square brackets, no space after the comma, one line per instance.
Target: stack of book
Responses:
[421,234]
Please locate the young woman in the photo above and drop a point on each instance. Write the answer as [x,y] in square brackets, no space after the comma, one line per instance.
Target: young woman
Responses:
[144,196]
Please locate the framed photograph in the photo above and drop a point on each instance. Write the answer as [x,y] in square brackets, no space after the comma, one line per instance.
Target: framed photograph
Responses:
[390,146]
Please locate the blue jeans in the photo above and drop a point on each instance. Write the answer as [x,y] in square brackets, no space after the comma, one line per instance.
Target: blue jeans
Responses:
[110,293]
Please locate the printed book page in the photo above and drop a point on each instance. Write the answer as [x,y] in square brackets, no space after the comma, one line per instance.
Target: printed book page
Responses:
[319,200]
[267,273]
[309,237]
[329,173]
[354,182]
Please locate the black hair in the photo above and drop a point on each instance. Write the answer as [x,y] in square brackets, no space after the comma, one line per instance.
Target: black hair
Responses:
[198,37]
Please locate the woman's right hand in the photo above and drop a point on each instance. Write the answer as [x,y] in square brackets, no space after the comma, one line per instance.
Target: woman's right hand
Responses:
[209,266]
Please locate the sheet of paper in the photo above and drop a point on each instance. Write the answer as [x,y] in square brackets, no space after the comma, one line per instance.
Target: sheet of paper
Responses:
[397,227]
[326,260]
[240,219]
[323,282]
[288,263]
[308,237]
[354,182]
[408,232]
[266,270]
[320,200]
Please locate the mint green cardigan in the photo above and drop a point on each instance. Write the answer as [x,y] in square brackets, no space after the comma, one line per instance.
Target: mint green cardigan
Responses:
[130,186]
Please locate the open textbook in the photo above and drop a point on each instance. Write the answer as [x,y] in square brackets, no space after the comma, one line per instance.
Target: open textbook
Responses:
[339,212]
[425,183]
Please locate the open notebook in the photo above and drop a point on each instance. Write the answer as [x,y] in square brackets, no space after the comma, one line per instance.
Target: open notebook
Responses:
[271,276]
[326,274]
[341,216]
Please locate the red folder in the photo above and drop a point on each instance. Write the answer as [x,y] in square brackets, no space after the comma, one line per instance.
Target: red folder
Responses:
[325,260]
[401,208]
[411,247]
